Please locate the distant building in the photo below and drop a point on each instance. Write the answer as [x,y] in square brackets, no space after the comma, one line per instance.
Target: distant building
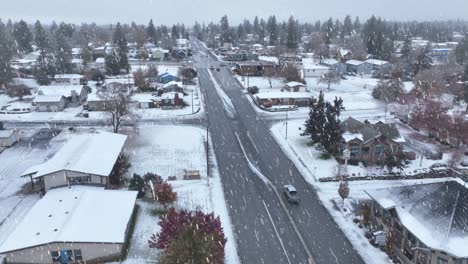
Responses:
[295,87]
[440,54]
[269,99]
[73,225]
[427,223]
[86,159]
[312,70]
[334,65]
[71,79]
[55,98]
[369,143]
[8,138]
[49,103]
[172,86]
[377,66]
[256,68]
[165,78]
[358,67]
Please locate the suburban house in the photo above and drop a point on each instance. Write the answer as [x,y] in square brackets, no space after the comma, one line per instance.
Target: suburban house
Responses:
[378,65]
[369,143]
[71,79]
[56,97]
[296,87]
[256,68]
[22,64]
[425,223]
[312,70]
[49,103]
[79,224]
[145,100]
[344,54]
[158,54]
[440,54]
[358,67]
[171,99]
[8,138]
[172,86]
[165,78]
[269,99]
[86,159]
[334,65]
[96,102]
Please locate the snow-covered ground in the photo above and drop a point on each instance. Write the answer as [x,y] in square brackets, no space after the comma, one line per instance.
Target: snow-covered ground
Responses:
[307,159]
[168,151]
[14,161]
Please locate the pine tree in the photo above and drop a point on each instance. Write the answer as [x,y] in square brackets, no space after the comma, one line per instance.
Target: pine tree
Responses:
[273,30]
[292,39]
[62,51]
[23,36]
[465,85]
[225,30]
[256,26]
[151,32]
[120,40]
[314,125]
[332,132]
[357,24]
[347,26]
[395,159]
[407,47]
[422,60]
[175,32]
[45,67]
[6,54]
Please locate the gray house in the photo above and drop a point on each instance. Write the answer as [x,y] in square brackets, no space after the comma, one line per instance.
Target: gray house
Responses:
[426,223]
[334,65]
[358,67]
[79,224]
[86,159]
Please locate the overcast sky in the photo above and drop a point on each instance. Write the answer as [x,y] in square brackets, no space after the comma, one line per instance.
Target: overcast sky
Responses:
[188,11]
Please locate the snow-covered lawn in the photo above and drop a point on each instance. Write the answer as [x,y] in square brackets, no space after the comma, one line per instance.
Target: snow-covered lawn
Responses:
[14,161]
[307,159]
[168,151]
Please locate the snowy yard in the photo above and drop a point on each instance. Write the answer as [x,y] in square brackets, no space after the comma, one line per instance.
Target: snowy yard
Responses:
[14,161]
[168,151]
[307,159]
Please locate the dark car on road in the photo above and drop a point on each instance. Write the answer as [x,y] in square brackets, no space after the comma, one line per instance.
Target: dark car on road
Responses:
[211,67]
[291,194]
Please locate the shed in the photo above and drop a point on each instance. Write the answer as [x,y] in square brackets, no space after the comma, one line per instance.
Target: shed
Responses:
[8,138]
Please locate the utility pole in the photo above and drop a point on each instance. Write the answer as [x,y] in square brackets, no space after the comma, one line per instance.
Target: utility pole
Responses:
[287,110]
[207,154]
[192,100]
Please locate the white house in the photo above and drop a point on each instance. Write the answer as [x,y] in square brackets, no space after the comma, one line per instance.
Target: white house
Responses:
[71,79]
[80,224]
[296,87]
[85,159]
[313,70]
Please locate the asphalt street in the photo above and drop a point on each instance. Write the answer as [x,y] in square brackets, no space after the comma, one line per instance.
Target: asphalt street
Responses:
[259,239]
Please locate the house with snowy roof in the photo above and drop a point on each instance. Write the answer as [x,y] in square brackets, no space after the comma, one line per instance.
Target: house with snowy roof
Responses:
[426,223]
[358,67]
[71,79]
[378,66]
[369,143]
[296,87]
[334,65]
[55,98]
[86,159]
[79,224]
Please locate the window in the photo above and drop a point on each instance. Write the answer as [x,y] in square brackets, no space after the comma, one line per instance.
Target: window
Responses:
[379,149]
[77,253]
[70,255]
[55,256]
[79,180]
[354,151]
[365,150]
[441,260]
[387,216]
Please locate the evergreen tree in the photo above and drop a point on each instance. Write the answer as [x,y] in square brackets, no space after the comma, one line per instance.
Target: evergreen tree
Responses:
[407,47]
[256,26]
[273,30]
[465,85]
[225,30]
[151,32]
[332,132]
[62,51]
[23,36]
[357,24]
[421,60]
[112,64]
[347,26]
[120,40]
[175,32]
[6,54]
[314,125]
[292,39]
[45,67]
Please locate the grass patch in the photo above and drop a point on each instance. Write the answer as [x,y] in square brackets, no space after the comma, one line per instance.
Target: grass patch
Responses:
[325,156]
[131,228]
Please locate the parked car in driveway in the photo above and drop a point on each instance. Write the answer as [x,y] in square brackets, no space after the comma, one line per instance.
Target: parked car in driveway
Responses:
[291,194]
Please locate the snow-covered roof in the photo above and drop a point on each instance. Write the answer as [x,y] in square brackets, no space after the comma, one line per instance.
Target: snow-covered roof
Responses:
[344,52]
[348,136]
[92,153]
[436,213]
[6,133]
[269,58]
[376,62]
[62,90]
[76,214]
[308,63]
[330,61]
[68,76]
[47,98]
[171,83]
[282,95]
[294,84]
[354,62]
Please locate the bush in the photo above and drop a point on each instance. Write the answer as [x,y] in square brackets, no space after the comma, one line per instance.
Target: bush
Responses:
[120,168]
[325,156]
[253,90]
[137,184]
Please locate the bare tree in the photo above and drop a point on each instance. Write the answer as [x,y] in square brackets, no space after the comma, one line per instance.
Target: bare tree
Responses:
[118,108]
[356,46]
[329,78]
[343,190]
[18,90]
[290,73]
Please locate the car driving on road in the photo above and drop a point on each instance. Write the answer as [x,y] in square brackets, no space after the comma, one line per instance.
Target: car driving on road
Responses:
[291,194]
[211,67]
